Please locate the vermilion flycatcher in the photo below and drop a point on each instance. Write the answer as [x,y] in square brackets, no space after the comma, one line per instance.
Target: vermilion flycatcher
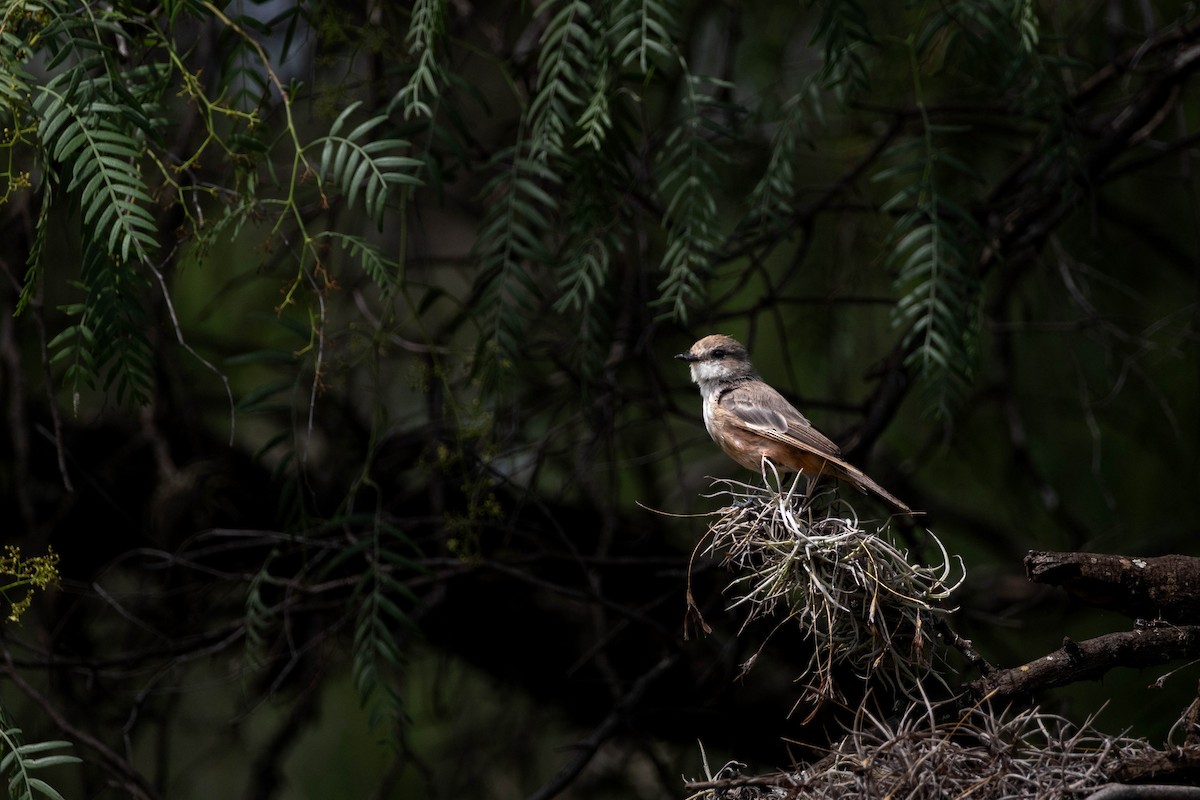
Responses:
[751,421]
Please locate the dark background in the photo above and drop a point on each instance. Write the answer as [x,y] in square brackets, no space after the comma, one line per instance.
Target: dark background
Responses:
[441,542]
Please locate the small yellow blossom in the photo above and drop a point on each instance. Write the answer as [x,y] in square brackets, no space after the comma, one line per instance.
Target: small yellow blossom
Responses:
[30,574]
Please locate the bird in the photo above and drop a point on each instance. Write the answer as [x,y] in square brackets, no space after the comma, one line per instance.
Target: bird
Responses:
[751,421]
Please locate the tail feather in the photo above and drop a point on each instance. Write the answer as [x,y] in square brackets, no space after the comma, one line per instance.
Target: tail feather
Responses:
[860,479]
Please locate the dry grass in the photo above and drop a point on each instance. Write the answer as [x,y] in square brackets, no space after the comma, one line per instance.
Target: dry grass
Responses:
[977,755]
[853,593]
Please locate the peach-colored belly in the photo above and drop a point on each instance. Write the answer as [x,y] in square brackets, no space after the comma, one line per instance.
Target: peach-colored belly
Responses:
[749,449]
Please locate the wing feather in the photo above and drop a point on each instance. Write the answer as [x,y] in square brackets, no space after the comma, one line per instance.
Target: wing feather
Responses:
[757,408]
[761,409]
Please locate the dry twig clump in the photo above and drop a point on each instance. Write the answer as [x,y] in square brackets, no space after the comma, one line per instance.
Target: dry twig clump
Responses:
[978,755]
[854,594]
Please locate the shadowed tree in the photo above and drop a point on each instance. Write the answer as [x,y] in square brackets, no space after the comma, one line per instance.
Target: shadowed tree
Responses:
[336,356]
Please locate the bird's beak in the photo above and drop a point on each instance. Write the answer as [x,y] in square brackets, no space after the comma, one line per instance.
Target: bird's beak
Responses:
[687,357]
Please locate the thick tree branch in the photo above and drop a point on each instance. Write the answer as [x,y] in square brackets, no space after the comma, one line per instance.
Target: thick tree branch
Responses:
[1164,587]
[1091,659]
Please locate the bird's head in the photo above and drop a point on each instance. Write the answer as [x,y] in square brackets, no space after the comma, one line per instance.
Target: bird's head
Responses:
[716,359]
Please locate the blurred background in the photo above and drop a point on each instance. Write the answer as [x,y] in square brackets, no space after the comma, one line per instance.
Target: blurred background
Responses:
[337,363]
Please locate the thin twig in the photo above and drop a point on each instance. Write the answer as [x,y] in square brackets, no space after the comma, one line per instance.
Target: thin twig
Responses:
[605,731]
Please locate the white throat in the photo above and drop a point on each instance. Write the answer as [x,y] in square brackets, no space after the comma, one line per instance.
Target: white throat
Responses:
[708,375]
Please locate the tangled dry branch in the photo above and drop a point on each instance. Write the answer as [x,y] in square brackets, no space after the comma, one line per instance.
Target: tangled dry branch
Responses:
[980,753]
[854,594]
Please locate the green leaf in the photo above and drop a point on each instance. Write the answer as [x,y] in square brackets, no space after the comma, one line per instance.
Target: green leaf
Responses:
[360,167]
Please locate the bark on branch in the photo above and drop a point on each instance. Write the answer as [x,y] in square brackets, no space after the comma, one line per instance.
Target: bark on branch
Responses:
[1163,588]
[1090,659]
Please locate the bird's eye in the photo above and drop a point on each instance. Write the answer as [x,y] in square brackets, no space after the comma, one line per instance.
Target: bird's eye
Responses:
[718,353]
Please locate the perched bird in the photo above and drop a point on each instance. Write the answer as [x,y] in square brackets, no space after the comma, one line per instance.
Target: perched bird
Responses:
[751,421]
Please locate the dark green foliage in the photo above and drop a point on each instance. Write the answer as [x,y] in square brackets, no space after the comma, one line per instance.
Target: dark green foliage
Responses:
[21,760]
[14,79]
[643,32]
[931,245]
[100,147]
[372,556]
[382,624]
[94,121]
[692,222]
[512,246]
[570,49]
[845,34]
[577,137]
[424,34]
[357,163]
[440,254]
[772,202]
[109,340]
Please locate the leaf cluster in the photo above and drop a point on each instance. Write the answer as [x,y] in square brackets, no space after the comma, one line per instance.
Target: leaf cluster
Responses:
[566,199]
[22,759]
[372,558]
[930,254]
[100,117]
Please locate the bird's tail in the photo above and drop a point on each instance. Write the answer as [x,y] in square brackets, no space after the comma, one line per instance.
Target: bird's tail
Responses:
[860,479]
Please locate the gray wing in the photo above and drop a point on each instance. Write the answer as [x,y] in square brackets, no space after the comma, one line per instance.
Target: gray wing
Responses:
[761,409]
